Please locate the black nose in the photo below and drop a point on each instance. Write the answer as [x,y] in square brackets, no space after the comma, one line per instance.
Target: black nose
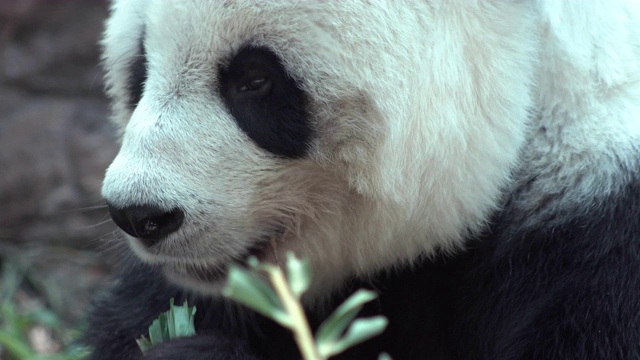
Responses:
[148,223]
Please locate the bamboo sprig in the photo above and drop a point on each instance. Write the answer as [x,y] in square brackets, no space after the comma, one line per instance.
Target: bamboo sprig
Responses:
[281,301]
[301,329]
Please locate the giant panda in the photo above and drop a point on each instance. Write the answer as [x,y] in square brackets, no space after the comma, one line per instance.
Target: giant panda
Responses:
[475,163]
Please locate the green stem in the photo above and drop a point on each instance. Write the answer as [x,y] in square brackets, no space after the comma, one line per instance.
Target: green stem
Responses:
[300,326]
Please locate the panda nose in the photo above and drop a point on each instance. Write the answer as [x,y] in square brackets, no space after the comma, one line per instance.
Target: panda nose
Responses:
[147,223]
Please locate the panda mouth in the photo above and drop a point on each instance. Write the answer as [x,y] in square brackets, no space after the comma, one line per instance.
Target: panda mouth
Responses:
[203,273]
[218,273]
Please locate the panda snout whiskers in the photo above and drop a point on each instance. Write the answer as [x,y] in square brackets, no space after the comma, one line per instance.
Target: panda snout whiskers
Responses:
[148,223]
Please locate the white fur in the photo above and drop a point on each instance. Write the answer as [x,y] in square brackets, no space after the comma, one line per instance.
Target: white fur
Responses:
[586,138]
[421,111]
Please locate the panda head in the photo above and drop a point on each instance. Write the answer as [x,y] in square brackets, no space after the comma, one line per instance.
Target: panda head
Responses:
[361,135]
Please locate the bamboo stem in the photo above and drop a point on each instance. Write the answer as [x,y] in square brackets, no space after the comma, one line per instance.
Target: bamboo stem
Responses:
[300,326]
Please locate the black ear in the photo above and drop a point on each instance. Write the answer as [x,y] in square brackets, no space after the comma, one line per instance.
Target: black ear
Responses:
[267,103]
[137,76]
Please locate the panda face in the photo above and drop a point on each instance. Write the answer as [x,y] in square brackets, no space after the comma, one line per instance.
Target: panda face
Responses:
[344,130]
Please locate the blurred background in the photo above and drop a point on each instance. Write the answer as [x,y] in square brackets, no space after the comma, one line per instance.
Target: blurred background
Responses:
[55,143]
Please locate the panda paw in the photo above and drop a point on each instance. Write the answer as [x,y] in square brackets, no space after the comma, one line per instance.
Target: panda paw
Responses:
[201,347]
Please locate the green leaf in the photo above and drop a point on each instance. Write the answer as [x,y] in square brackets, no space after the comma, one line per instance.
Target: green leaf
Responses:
[298,275]
[359,331]
[73,352]
[13,320]
[156,332]
[250,290]
[12,275]
[144,344]
[174,323]
[171,323]
[15,345]
[384,356]
[333,327]
[182,318]
[256,265]
[45,317]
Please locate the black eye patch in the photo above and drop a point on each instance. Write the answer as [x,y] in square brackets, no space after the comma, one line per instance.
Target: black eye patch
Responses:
[267,104]
[137,78]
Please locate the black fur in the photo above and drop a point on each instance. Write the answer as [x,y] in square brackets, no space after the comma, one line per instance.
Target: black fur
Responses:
[268,104]
[565,288]
[137,77]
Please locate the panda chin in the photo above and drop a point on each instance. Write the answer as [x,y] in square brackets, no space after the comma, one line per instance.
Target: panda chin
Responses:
[210,279]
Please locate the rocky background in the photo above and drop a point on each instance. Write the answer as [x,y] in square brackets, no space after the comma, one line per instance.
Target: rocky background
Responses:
[55,143]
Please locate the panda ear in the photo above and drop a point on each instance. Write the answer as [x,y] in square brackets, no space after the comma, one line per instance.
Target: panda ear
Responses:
[137,77]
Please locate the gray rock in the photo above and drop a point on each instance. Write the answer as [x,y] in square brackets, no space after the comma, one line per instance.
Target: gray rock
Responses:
[55,141]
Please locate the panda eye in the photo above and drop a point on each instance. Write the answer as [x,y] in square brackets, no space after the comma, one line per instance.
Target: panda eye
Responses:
[262,84]
[266,103]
